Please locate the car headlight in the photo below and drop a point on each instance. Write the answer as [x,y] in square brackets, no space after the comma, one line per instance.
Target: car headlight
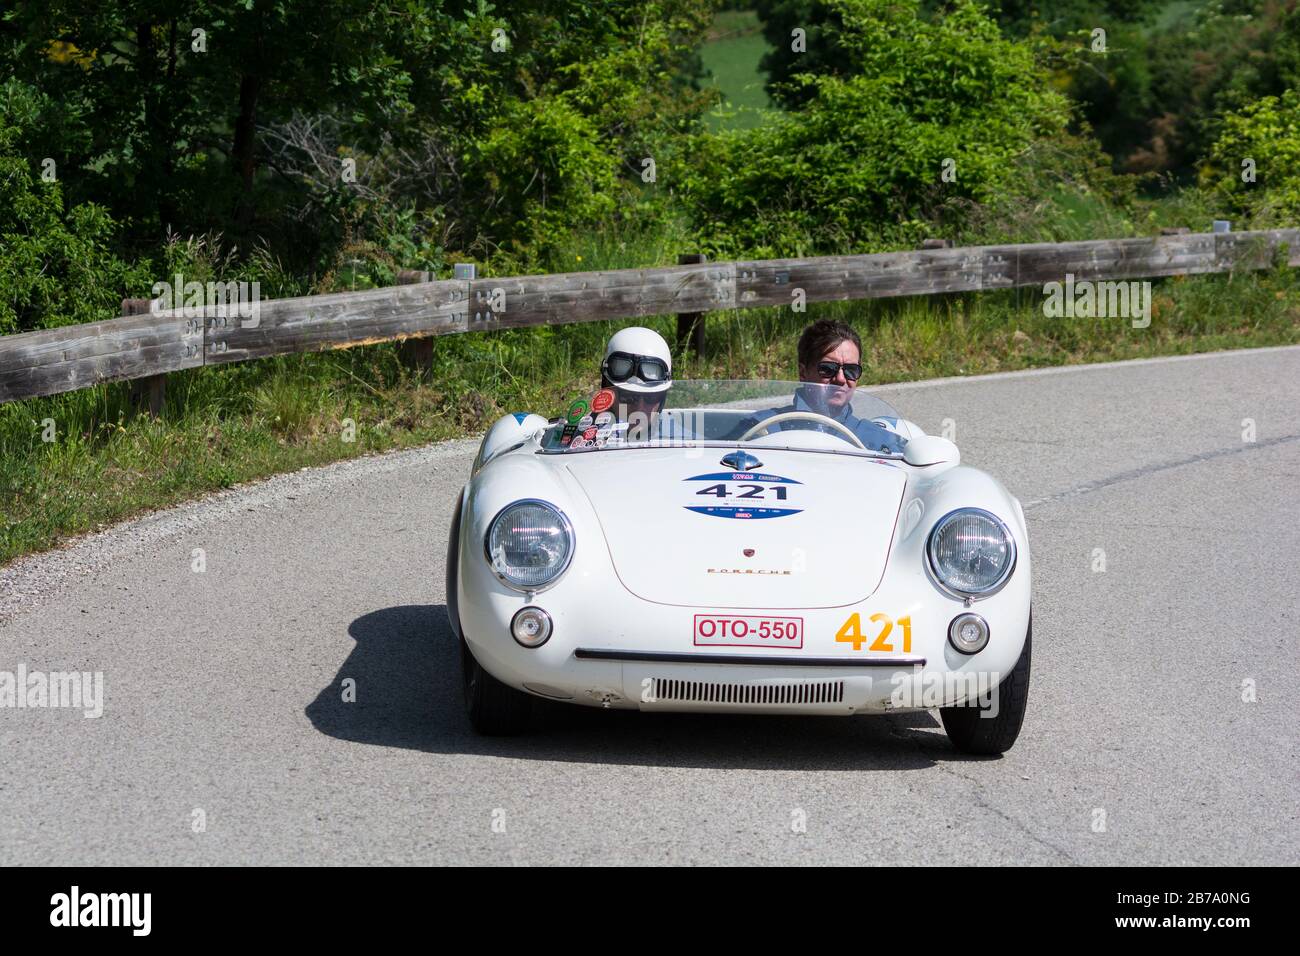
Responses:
[529,544]
[970,553]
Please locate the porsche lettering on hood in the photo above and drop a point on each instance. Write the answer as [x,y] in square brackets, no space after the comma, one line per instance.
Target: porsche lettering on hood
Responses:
[828,548]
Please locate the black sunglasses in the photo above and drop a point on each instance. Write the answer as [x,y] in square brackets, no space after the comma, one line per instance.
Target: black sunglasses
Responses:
[621,366]
[852,370]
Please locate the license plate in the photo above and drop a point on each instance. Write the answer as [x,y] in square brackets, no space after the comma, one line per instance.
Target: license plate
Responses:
[733,630]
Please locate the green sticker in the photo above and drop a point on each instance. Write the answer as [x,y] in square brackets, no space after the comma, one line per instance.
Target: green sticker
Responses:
[577,410]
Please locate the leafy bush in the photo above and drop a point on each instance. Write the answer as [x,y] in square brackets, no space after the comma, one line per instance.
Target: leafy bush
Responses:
[1267,132]
[480,125]
[824,51]
[863,158]
[1062,189]
[546,170]
[57,266]
[1156,98]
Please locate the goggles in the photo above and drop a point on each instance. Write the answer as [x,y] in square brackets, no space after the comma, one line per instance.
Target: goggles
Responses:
[619,367]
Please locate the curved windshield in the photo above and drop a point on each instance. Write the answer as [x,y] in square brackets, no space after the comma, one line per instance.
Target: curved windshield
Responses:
[709,412]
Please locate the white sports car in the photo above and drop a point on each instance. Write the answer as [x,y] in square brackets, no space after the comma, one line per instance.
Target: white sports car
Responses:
[757,547]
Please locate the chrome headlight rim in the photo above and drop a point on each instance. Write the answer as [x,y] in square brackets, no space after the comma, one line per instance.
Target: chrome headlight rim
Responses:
[565,524]
[931,566]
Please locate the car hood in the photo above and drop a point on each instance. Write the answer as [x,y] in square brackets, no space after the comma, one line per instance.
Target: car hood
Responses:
[802,530]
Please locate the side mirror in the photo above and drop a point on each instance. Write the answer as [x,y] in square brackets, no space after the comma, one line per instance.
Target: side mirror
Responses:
[931,450]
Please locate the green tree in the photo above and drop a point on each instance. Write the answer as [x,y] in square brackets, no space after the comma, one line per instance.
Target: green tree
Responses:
[824,47]
[484,125]
[1256,161]
[804,36]
[57,267]
[1157,96]
[169,96]
[928,113]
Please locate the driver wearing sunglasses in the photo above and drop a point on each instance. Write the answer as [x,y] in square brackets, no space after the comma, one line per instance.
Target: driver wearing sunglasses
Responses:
[639,368]
[830,354]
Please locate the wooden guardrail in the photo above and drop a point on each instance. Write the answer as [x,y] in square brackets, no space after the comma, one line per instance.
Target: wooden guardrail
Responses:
[149,345]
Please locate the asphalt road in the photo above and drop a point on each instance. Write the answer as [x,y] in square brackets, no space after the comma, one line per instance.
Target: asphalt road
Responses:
[222,689]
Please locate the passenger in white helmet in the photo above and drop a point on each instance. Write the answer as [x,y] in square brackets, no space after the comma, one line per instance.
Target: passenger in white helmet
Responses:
[638,366]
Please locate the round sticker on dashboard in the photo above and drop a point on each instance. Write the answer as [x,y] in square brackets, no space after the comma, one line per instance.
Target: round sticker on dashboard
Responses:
[602,400]
[577,410]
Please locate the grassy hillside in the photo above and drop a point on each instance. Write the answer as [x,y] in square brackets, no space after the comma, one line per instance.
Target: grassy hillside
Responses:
[731,53]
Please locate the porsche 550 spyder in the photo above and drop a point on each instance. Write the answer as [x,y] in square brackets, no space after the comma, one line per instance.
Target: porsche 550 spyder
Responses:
[746,551]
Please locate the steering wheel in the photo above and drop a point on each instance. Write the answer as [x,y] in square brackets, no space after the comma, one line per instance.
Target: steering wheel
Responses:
[763,426]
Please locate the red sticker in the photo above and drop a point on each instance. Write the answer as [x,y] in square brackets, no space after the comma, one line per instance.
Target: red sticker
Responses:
[589,434]
[602,400]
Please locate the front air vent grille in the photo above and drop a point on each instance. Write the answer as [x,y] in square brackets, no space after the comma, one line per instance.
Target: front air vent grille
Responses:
[702,692]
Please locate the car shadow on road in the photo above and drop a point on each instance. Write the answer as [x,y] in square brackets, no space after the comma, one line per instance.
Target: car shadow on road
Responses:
[406,668]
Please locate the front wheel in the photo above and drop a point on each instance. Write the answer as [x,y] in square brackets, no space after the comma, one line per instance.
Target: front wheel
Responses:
[972,732]
[495,709]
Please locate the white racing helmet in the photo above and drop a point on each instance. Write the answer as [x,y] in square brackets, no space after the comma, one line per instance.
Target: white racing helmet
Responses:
[637,360]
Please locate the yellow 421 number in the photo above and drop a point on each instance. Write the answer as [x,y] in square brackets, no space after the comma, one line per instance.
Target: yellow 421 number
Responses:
[850,632]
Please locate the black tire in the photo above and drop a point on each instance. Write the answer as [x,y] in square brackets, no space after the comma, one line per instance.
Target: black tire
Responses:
[495,709]
[972,733]
[453,559]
